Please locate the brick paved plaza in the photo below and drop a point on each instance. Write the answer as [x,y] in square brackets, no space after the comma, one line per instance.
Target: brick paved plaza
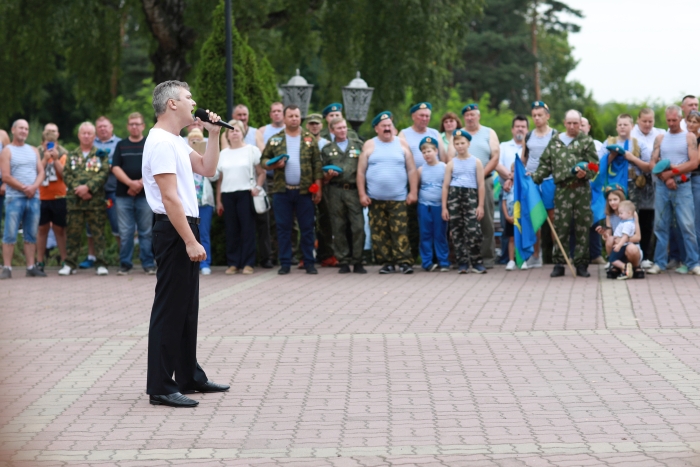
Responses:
[433,369]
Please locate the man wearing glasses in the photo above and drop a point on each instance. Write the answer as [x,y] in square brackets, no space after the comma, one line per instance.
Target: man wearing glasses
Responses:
[133,211]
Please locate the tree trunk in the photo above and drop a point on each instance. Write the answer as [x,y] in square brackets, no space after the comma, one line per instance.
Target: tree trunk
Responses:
[533,31]
[166,21]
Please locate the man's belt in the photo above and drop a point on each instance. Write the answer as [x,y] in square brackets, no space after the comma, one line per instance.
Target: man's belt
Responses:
[574,184]
[293,187]
[165,218]
[345,186]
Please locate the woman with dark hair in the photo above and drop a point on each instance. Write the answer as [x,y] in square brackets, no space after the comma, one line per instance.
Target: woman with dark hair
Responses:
[240,179]
[448,124]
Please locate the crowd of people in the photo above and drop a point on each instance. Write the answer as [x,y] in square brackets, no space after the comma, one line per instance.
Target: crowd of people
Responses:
[311,191]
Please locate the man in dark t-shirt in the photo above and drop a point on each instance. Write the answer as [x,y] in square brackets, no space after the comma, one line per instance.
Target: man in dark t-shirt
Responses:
[133,211]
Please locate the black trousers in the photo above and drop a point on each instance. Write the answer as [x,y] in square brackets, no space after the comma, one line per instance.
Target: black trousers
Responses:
[239,220]
[172,335]
[646,226]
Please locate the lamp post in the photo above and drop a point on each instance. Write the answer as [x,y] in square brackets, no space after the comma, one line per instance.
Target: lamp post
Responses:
[356,99]
[297,92]
[229,63]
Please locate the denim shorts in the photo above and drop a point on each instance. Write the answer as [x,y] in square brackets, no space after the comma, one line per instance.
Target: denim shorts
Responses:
[22,211]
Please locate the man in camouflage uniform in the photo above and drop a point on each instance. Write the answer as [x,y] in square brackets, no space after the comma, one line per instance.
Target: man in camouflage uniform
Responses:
[296,186]
[385,169]
[572,201]
[341,198]
[85,176]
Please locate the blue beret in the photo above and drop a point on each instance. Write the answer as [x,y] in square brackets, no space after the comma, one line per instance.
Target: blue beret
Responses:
[335,107]
[615,148]
[469,107]
[460,132]
[428,140]
[661,166]
[421,106]
[540,105]
[382,116]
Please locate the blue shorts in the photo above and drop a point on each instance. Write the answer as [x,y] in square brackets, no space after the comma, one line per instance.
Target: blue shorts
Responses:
[547,190]
[22,211]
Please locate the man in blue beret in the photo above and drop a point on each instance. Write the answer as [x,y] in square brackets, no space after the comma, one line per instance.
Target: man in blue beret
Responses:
[330,113]
[420,114]
[386,167]
[485,147]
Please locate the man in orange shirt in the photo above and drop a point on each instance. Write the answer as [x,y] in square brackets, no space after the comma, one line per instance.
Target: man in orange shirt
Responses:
[52,194]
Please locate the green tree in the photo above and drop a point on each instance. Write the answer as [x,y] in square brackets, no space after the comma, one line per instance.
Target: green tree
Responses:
[254,84]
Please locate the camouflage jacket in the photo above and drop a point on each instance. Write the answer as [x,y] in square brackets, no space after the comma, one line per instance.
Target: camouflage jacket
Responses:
[91,170]
[558,160]
[333,155]
[309,159]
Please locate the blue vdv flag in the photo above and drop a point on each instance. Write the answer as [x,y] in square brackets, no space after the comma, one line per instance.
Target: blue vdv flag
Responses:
[529,213]
[608,174]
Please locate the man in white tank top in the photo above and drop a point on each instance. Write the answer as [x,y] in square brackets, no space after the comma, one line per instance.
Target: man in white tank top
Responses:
[387,211]
[420,114]
[674,195]
[276,125]
[23,173]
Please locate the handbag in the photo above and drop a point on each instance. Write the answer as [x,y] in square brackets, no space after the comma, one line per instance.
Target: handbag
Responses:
[261,202]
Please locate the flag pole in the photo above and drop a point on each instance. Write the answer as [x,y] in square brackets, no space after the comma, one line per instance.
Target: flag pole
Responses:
[563,251]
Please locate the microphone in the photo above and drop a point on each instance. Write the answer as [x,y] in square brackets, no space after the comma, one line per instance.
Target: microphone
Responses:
[204,116]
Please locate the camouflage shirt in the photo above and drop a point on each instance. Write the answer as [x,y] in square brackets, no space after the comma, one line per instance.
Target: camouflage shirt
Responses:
[558,159]
[333,155]
[309,159]
[91,170]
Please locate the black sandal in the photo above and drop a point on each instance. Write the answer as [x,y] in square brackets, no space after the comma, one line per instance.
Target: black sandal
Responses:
[638,273]
[613,272]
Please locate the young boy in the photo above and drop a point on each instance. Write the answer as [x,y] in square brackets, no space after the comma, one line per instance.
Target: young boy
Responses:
[463,204]
[508,230]
[432,227]
[623,232]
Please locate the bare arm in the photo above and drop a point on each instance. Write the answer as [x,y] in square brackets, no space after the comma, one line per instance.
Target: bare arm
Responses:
[58,166]
[7,177]
[259,139]
[495,153]
[693,157]
[367,149]
[443,151]
[260,172]
[4,138]
[656,152]
[445,190]
[167,184]
[205,165]
[481,189]
[637,237]
[412,174]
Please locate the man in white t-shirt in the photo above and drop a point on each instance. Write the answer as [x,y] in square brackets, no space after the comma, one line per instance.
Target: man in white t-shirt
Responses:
[167,167]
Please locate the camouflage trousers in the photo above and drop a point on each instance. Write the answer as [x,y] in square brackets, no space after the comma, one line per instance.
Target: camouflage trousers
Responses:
[388,222]
[324,228]
[572,207]
[347,210]
[464,228]
[95,219]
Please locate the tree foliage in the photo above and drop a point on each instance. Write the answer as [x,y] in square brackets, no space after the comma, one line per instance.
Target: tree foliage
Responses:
[254,83]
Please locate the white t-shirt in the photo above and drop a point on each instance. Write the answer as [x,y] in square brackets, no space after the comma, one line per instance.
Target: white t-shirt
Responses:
[166,153]
[509,149]
[647,139]
[237,166]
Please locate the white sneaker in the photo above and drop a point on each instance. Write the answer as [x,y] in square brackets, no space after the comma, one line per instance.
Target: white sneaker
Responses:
[206,271]
[102,271]
[511,266]
[535,263]
[695,271]
[66,271]
[524,266]
[655,269]
[646,264]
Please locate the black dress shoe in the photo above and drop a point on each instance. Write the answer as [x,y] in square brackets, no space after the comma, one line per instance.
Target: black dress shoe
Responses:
[284,270]
[387,269]
[267,264]
[209,386]
[558,270]
[359,269]
[311,269]
[173,400]
[582,271]
[344,269]
[406,268]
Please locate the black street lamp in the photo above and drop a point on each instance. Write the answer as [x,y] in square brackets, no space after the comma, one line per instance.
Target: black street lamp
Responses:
[297,92]
[356,99]
[229,62]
